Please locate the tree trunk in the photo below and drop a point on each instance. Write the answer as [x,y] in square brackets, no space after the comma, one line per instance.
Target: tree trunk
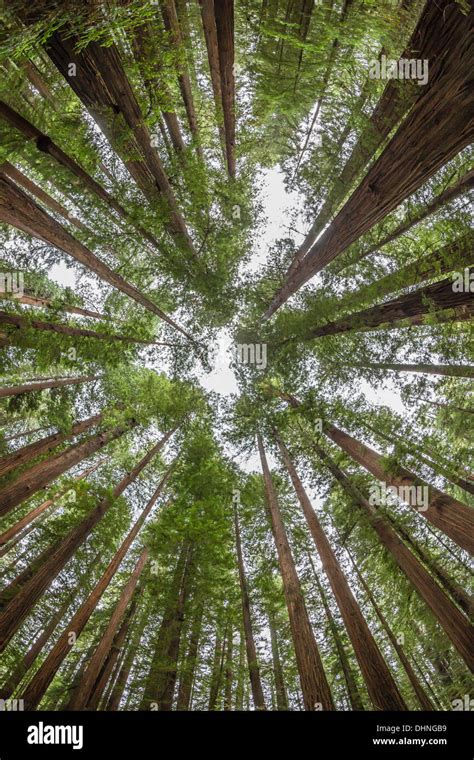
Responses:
[210,35]
[21,179]
[454,623]
[409,309]
[240,687]
[122,678]
[355,698]
[434,131]
[224,20]
[40,475]
[19,210]
[462,186]
[170,628]
[37,688]
[26,323]
[15,390]
[314,685]
[382,688]
[92,671]
[216,670]
[229,673]
[188,666]
[21,595]
[421,695]
[280,690]
[27,453]
[30,516]
[31,299]
[447,370]
[105,97]
[449,515]
[252,661]
[45,145]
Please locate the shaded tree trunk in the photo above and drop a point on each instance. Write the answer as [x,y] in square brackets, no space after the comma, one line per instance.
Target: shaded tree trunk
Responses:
[37,688]
[314,685]
[449,515]
[421,695]
[434,131]
[40,475]
[19,210]
[382,688]
[15,390]
[252,661]
[188,667]
[44,144]
[22,594]
[280,690]
[224,20]
[27,453]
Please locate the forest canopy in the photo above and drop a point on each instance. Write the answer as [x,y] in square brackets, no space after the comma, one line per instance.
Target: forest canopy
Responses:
[235,440]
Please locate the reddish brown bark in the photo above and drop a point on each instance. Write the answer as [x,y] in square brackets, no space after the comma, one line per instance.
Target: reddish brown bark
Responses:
[438,299]
[451,516]
[126,665]
[435,130]
[224,20]
[92,671]
[421,695]
[38,476]
[21,595]
[25,323]
[188,665]
[28,518]
[17,209]
[314,685]
[252,661]
[280,690]
[380,683]
[15,390]
[31,299]
[45,145]
[37,687]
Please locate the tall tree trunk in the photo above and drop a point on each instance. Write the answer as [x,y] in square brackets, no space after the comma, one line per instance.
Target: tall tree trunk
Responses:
[216,669]
[32,299]
[314,685]
[22,594]
[116,649]
[210,35]
[188,666]
[447,370]
[26,323]
[454,623]
[104,102]
[37,511]
[170,625]
[224,20]
[92,671]
[40,475]
[461,597]
[355,698]
[229,673]
[240,687]
[21,179]
[15,390]
[421,695]
[408,309]
[382,688]
[119,686]
[252,661]
[44,144]
[280,690]
[29,659]
[449,515]
[27,453]
[37,688]
[434,131]
[19,210]
[463,185]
